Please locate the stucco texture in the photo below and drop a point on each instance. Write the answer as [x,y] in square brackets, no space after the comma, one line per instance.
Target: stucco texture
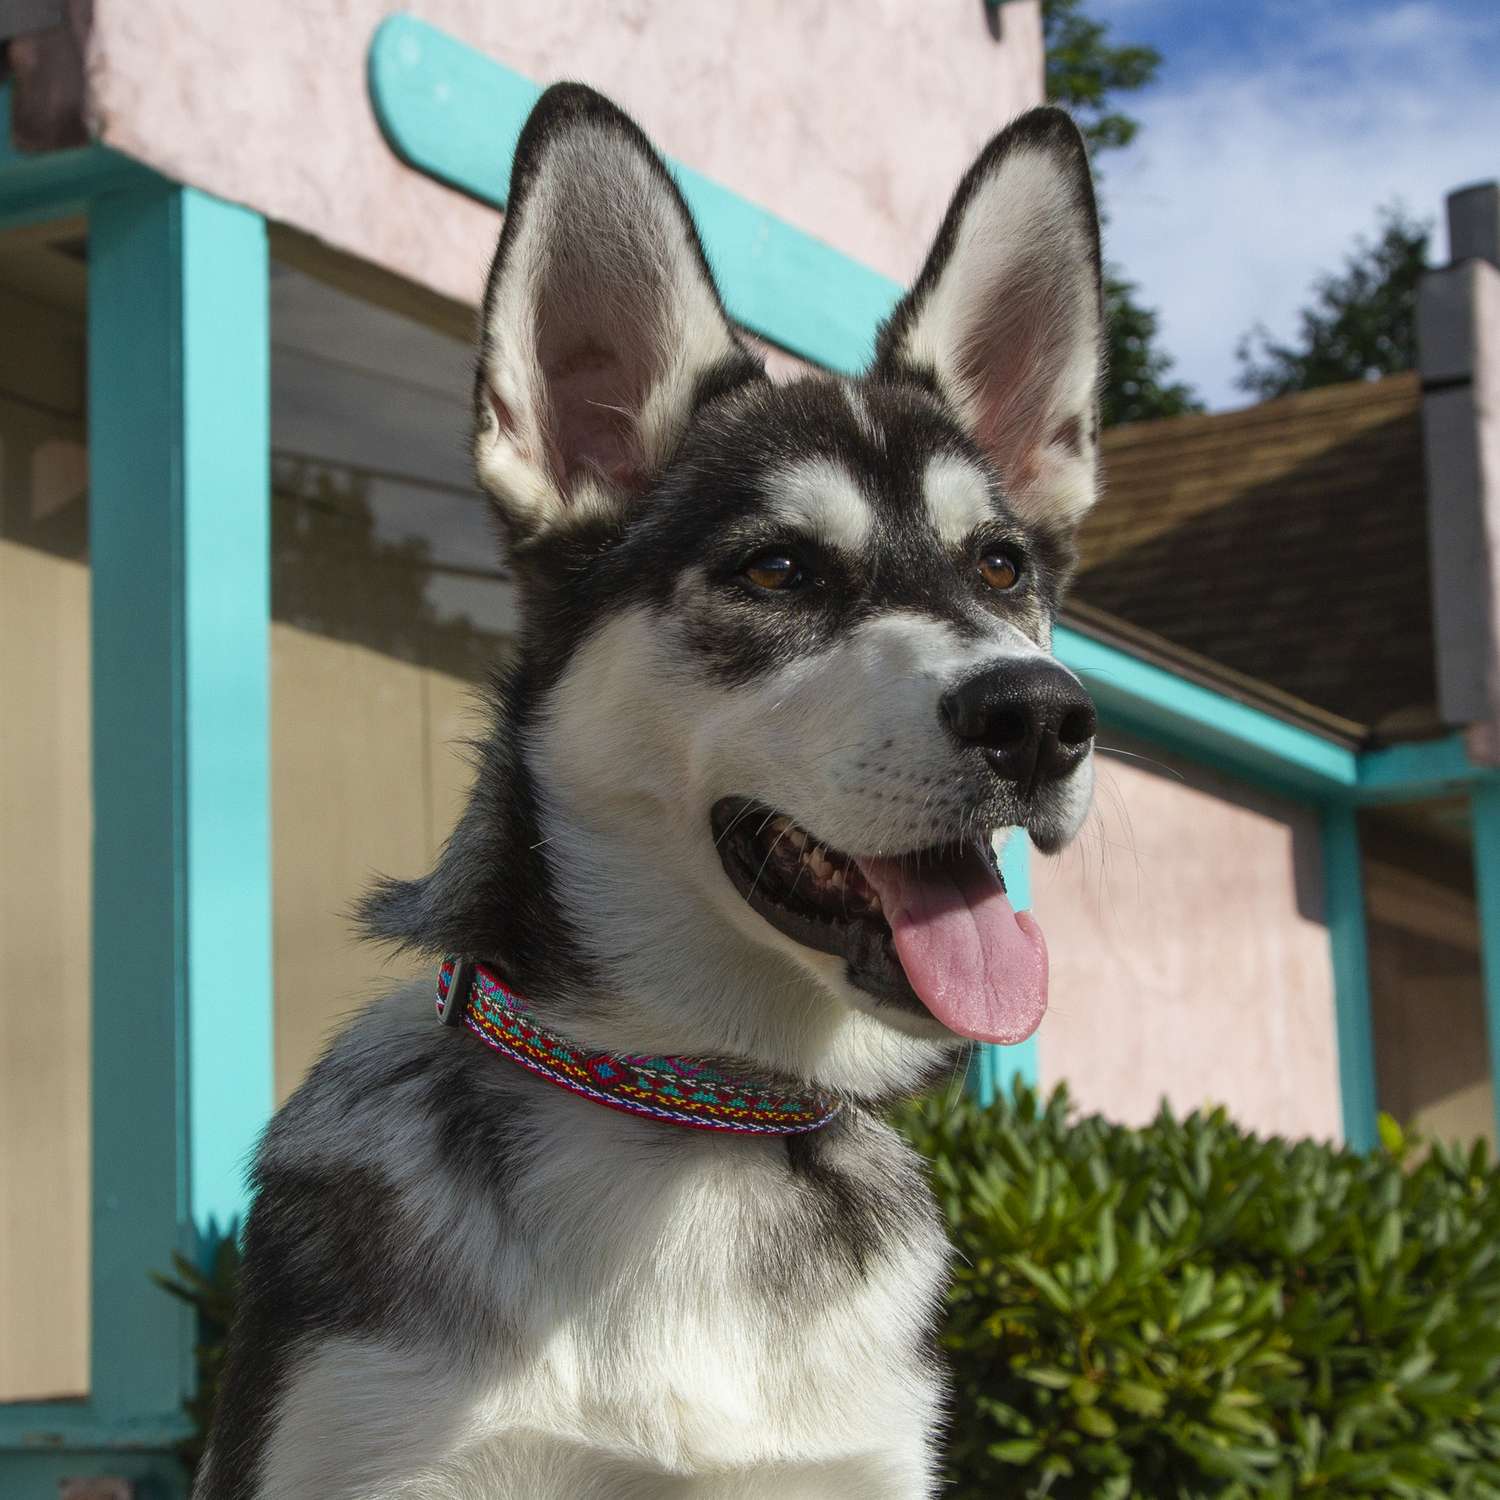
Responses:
[1190,959]
[851,121]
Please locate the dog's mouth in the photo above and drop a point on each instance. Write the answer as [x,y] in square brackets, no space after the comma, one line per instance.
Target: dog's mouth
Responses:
[928,930]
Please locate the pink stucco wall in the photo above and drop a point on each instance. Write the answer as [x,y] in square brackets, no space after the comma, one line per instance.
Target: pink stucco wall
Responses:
[1189,955]
[853,121]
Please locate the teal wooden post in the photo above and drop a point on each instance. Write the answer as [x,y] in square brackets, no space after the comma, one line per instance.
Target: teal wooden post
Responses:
[1344,887]
[995,1069]
[179,454]
[1485,814]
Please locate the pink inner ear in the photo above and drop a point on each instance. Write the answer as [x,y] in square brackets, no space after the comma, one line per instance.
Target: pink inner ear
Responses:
[596,363]
[1011,364]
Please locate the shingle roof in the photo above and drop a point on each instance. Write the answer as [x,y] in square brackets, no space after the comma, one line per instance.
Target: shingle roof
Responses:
[1286,542]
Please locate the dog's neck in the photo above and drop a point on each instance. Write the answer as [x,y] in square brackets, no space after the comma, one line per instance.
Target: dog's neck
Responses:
[671,974]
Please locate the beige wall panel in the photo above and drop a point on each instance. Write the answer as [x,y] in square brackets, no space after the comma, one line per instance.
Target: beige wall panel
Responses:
[1189,955]
[368,777]
[45,832]
[349,801]
[851,121]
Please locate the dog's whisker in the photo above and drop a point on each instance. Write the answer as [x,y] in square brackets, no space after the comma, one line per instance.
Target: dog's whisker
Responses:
[734,823]
[769,852]
[1146,760]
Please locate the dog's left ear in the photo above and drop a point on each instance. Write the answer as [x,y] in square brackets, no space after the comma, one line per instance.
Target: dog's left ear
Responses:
[1005,319]
[601,329]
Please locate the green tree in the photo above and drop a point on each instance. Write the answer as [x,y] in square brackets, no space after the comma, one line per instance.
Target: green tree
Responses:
[1136,383]
[1361,323]
[1086,72]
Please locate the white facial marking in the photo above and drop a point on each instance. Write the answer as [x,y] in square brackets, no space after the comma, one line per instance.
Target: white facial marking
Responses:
[958,500]
[823,497]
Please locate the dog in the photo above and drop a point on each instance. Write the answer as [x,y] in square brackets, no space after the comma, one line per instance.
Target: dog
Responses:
[631,1224]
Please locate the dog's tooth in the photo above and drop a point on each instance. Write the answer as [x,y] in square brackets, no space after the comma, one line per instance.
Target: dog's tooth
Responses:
[836,879]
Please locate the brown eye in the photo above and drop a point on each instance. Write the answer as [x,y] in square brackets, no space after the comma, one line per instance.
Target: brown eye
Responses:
[774,571]
[999,571]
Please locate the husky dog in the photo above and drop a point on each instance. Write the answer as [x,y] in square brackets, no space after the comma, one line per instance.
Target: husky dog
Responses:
[783,673]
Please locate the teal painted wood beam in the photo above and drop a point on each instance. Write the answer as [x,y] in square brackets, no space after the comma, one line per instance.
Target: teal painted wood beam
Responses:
[26,1475]
[1420,769]
[179,453]
[994,1070]
[226,455]
[1485,813]
[39,185]
[1150,701]
[455,114]
[1344,895]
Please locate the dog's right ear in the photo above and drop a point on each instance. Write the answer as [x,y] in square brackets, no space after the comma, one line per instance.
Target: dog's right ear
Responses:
[1006,321]
[602,328]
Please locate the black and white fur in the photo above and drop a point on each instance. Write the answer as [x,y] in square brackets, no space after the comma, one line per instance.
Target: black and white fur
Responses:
[463,1282]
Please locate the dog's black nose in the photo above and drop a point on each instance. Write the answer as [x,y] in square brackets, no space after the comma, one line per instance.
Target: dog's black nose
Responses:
[1031,718]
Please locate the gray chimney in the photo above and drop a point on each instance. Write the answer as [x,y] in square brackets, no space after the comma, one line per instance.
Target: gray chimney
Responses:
[1474,223]
[1458,343]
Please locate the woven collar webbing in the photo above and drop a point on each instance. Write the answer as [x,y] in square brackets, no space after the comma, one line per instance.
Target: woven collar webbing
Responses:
[678,1090]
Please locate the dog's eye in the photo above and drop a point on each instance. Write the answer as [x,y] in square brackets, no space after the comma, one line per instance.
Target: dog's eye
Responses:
[999,570]
[774,571]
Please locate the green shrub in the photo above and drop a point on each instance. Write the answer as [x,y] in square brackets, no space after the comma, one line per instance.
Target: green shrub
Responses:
[211,1291]
[1187,1310]
[1181,1311]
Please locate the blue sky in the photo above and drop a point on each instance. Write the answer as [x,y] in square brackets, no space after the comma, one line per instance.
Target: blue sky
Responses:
[1274,132]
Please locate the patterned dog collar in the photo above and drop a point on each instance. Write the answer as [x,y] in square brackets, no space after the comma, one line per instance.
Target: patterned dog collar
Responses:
[678,1090]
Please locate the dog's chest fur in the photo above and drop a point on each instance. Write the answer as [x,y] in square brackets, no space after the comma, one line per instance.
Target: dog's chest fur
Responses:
[466,1258]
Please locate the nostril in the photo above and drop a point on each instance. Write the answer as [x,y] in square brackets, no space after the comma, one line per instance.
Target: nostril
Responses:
[958,715]
[1007,727]
[1077,727]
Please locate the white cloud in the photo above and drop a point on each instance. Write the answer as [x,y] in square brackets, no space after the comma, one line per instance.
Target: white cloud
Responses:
[1253,176]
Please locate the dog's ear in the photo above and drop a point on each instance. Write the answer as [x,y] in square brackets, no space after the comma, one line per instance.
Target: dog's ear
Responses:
[601,327]
[1005,319]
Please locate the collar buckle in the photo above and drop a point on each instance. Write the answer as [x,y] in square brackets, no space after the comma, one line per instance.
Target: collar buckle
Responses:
[453,999]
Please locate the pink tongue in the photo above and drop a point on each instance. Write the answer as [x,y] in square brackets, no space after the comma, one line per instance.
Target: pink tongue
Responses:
[975,962]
